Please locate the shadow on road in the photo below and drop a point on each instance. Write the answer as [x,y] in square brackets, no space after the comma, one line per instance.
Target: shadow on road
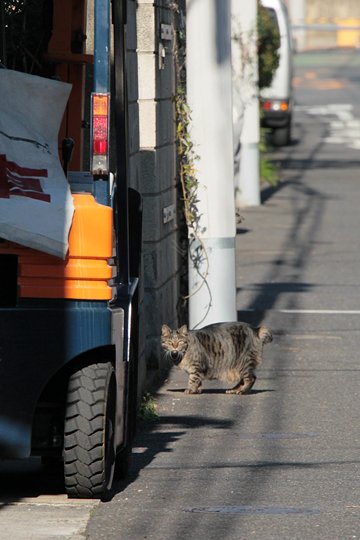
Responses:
[153,439]
[217,391]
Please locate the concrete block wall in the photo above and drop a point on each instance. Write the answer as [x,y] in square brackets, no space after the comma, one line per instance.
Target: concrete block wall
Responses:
[153,173]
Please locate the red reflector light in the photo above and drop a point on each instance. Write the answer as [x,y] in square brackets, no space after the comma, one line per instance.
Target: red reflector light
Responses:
[100,147]
[267,105]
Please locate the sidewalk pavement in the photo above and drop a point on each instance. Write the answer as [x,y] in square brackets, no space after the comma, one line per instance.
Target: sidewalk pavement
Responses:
[283,461]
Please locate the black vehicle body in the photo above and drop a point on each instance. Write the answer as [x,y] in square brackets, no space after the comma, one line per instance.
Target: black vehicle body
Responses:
[68,366]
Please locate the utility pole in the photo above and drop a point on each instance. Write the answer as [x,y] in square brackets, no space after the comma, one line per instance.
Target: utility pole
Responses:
[297,14]
[246,102]
[209,94]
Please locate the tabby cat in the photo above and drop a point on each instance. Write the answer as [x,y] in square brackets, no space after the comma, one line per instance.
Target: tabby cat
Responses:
[227,351]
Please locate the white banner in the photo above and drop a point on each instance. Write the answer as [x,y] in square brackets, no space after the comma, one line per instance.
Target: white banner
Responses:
[36,206]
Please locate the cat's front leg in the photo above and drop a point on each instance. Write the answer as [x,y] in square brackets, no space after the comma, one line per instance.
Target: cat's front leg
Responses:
[194,384]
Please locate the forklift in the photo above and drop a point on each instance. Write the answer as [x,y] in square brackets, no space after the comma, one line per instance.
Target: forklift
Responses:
[69,328]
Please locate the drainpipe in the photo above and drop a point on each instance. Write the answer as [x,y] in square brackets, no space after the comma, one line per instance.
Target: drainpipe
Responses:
[209,94]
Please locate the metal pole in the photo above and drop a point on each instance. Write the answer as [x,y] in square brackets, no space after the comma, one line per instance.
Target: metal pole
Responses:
[247,181]
[297,17]
[209,94]
[101,46]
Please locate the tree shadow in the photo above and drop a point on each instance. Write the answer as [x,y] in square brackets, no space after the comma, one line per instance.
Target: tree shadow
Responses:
[152,439]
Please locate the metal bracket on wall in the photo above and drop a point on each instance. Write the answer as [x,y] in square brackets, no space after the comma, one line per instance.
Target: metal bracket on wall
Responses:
[166,33]
[169,213]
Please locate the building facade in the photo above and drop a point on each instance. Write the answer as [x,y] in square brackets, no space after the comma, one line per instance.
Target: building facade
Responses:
[319,24]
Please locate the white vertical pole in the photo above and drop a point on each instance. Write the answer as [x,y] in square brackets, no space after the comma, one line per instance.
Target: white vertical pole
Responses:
[297,17]
[247,181]
[209,95]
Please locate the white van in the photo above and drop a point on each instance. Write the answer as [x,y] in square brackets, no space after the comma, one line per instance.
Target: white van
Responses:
[277,100]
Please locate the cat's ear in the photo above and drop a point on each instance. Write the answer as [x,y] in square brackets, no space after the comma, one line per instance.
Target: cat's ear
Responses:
[165,330]
[183,330]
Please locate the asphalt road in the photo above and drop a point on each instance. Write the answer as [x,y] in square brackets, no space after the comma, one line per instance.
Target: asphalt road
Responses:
[281,463]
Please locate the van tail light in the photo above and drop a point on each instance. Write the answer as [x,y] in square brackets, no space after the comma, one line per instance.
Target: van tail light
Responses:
[100,106]
[275,105]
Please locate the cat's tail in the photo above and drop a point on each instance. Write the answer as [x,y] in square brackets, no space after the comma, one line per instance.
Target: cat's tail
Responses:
[264,334]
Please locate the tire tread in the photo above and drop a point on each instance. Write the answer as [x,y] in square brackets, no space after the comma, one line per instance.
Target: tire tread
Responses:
[84,428]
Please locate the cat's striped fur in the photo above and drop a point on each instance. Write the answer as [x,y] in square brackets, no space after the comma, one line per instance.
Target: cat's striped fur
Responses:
[228,351]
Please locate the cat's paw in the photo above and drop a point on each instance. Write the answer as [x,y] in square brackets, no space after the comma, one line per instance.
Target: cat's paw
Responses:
[192,391]
[233,391]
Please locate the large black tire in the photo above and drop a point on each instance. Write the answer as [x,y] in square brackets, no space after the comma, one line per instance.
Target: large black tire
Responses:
[89,448]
